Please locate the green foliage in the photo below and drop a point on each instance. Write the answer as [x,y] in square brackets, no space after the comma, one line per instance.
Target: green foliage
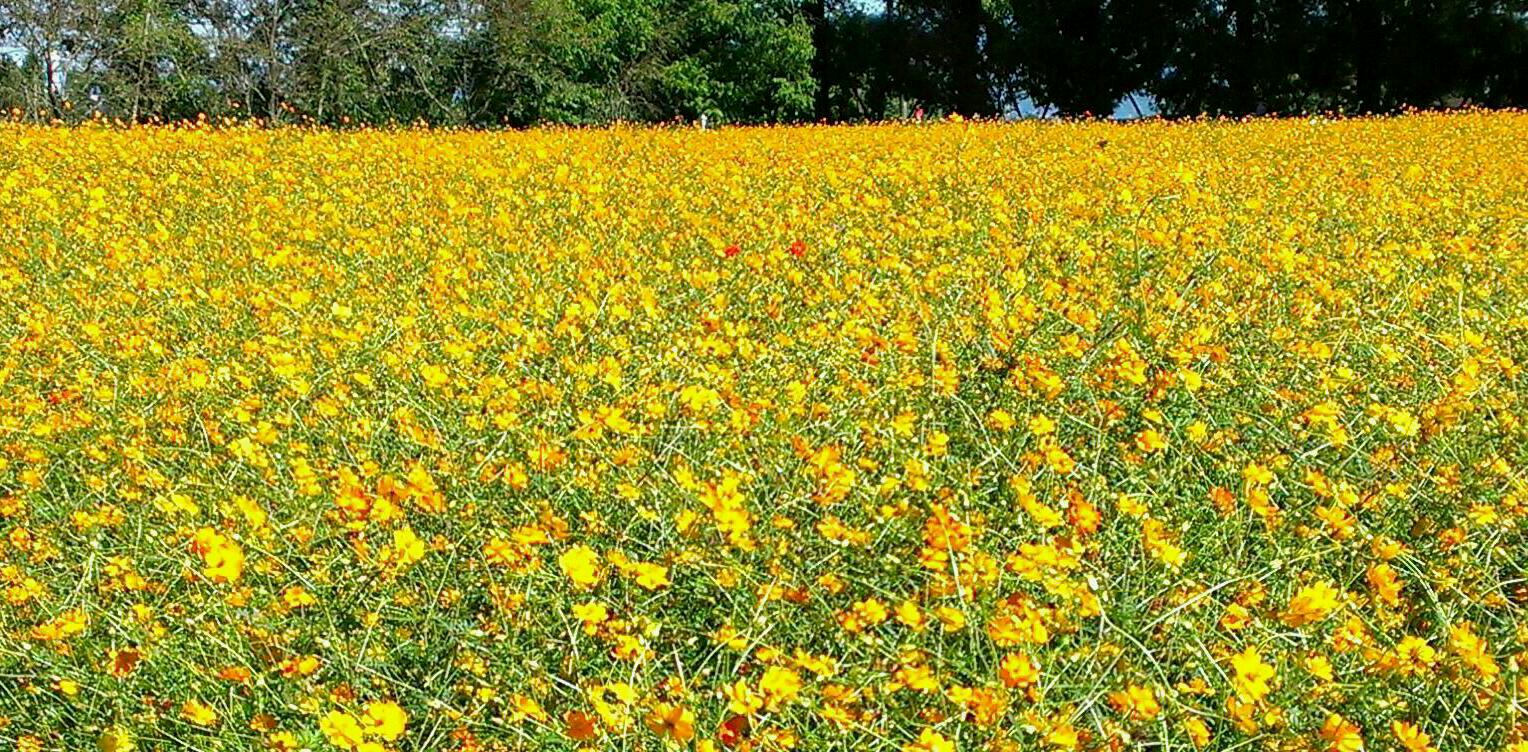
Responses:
[742,61]
[579,62]
[13,85]
[1082,56]
[1356,55]
[585,61]
[153,64]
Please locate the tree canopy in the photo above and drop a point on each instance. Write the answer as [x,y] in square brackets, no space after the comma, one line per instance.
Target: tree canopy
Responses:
[520,62]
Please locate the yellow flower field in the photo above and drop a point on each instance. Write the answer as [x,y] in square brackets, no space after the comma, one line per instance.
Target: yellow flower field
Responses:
[906,437]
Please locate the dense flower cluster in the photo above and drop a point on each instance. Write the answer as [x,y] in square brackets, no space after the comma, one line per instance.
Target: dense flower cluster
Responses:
[911,437]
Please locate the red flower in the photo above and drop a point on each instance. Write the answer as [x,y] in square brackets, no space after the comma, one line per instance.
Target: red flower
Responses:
[798,249]
[732,250]
[733,731]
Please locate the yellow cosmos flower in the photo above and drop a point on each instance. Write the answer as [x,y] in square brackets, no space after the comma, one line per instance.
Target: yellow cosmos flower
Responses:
[929,740]
[1250,675]
[1411,737]
[1018,670]
[342,729]
[385,719]
[406,548]
[671,722]
[779,685]
[1312,604]
[581,565]
[224,559]
[1136,702]
[116,739]
[652,576]
[199,713]
[1341,735]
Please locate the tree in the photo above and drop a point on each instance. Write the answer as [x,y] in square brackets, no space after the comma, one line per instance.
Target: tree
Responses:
[521,62]
[357,60]
[149,63]
[737,60]
[60,36]
[856,63]
[936,54]
[1084,56]
[584,61]
[1244,57]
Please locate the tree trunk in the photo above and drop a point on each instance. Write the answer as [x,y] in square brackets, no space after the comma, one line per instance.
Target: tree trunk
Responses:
[50,72]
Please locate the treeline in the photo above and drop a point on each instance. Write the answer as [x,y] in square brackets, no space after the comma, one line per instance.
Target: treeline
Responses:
[517,62]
